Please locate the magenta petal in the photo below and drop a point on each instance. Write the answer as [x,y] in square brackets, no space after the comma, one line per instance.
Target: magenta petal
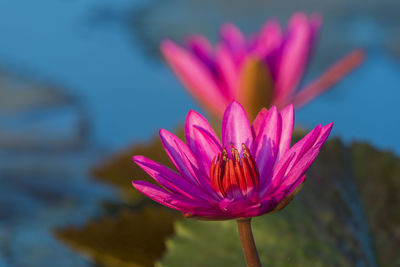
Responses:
[180,155]
[201,139]
[201,47]
[236,127]
[228,72]
[170,179]
[294,57]
[315,21]
[258,121]
[195,119]
[207,147]
[330,77]
[195,76]
[302,146]
[301,167]
[287,124]
[237,207]
[269,39]
[184,160]
[231,36]
[274,199]
[304,158]
[165,198]
[266,144]
[276,178]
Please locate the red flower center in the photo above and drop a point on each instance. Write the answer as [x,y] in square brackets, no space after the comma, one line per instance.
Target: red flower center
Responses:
[234,177]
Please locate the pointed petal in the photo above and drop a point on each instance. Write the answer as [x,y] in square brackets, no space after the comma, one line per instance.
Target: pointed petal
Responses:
[193,120]
[228,72]
[302,146]
[185,162]
[165,198]
[266,144]
[305,155]
[201,139]
[281,199]
[273,183]
[315,21]
[236,128]
[269,38]
[170,179]
[285,163]
[287,121]
[195,76]
[207,147]
[231,36]
[180,155]
[255,127]
[329,78]
[293,59]
[201,47]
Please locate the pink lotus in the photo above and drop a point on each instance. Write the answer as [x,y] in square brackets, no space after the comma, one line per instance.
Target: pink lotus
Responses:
[251,172]
[271,63]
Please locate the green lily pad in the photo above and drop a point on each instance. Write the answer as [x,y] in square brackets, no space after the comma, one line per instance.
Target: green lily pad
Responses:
[131,238]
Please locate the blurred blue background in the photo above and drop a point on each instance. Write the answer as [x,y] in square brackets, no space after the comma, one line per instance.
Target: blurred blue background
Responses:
[82,79]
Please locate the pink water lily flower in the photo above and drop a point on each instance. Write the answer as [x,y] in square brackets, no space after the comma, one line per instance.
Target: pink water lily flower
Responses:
[271,61]
[250,172]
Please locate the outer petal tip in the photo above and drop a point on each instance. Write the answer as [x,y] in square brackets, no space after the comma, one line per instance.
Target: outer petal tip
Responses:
[166,45]
[137,158]
[136,184]
[234,108]
[189,115]
[235,126]
[273,109]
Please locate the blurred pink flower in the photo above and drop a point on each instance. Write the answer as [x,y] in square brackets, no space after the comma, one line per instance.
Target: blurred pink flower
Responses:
[251,172]
[216,76]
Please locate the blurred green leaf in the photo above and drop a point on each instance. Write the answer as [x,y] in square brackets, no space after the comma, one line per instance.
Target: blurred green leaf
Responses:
[128,239]
[120,170]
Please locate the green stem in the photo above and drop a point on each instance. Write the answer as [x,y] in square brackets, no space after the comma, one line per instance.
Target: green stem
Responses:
[248,245]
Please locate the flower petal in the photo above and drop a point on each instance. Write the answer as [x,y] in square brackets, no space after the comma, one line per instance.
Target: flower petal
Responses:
[288,160]
[170,179]
[180,155]
[228,73]
[195,76]
[166,198]
[184,160]
[201,139]
[280,199]
[330,77]
[287,123]
[266,144]
[207,147]
[258,121]
[232,37]
[196,120]
[201,47]
[293,59]
[236,128]
[269,39]
[302,160]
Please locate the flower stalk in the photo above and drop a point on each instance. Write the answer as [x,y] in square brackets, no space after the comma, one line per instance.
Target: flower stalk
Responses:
[248,244]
